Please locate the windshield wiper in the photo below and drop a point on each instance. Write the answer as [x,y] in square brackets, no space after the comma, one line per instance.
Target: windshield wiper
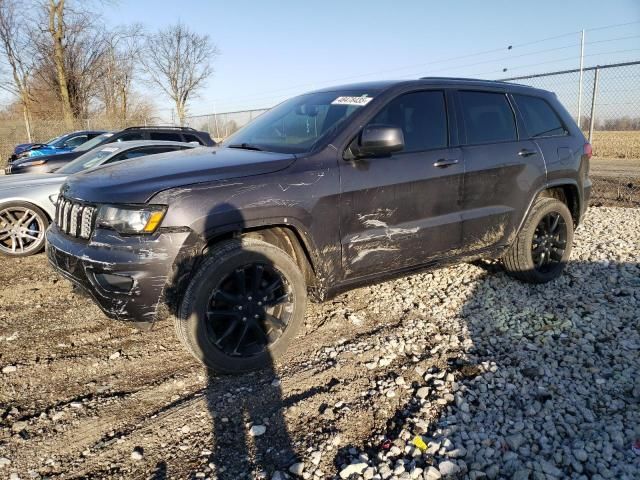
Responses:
[246,146]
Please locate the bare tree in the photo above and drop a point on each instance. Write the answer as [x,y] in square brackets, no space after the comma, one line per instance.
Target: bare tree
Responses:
[179,62]
[57,30]
[17,49]
[73,67]
[119,63]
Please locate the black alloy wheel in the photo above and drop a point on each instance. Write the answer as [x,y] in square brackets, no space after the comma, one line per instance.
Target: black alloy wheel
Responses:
[249,310]
[549,242]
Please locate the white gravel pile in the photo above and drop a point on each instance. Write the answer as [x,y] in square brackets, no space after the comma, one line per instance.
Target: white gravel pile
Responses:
[544,380]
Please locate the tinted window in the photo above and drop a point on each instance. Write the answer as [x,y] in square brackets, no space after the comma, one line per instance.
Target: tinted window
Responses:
[192,138]
[75,141]
[173,137]
[141,152]
[130,136]
[422,117]
[487,117]
[539,117]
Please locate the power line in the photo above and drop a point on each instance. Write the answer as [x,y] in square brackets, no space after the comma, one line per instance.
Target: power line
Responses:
[613,26]
[266,94]
[405,67]
[519,67]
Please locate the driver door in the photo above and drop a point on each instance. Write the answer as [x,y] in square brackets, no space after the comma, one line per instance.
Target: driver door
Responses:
[404,210]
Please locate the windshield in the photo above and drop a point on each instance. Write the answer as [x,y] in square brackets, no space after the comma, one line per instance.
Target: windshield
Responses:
[296,125]
[89,144]
[53,140]
[90,159]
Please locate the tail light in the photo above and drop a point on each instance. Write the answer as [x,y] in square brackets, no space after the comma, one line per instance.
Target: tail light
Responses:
[587,150]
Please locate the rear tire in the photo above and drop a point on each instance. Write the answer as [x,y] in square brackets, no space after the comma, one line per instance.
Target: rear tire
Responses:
[543,245]
[243,307]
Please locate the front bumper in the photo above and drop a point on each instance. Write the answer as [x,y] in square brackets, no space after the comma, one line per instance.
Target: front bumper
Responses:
[144,262]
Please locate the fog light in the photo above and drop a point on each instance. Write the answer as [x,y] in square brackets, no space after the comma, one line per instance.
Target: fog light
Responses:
[114,283]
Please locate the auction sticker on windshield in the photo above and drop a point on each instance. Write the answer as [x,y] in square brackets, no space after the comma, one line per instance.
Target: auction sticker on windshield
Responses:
[360,101]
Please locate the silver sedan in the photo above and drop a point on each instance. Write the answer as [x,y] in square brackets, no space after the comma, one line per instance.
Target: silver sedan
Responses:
[27,202]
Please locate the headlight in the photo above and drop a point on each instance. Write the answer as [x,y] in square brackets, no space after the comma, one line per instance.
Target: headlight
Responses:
[31,163]
[131,220]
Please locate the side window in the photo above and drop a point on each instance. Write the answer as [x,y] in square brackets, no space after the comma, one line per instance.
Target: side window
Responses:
[130,136]
[75,141]
[422,116]
[141,152]
[539,118]
[487,117]
[173,137]
[188,137]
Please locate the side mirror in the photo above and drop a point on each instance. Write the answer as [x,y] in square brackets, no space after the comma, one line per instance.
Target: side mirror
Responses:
[380,140]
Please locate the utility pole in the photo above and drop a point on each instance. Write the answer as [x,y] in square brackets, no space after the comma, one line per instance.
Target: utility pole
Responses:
[580,81]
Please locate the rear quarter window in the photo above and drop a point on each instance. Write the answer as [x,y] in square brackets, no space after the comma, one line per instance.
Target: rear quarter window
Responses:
[488,117]
[188,137]
[540,119]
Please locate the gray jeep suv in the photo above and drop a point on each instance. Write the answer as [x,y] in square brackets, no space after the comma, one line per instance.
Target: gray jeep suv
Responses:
[325,192]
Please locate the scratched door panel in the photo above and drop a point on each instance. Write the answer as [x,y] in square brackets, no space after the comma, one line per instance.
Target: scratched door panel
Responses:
[498,184]
[400,210]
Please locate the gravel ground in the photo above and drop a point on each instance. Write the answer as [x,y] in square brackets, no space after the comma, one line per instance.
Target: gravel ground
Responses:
[459,373]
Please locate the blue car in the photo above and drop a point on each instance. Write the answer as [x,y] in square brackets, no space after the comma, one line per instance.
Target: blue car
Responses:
[62,144]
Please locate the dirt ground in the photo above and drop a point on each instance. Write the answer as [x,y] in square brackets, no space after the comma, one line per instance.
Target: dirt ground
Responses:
[87,390]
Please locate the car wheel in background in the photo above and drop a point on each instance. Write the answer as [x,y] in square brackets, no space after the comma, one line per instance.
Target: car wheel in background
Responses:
[22,229]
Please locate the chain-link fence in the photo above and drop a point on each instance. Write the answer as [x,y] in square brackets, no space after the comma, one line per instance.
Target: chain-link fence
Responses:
[608,108]
[221,125]
[13,131]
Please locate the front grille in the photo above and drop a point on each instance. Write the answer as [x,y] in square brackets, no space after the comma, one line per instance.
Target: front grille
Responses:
[74,218]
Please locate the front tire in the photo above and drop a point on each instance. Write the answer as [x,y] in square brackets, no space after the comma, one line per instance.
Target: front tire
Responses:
[243,307]
[543,245]
[22,229]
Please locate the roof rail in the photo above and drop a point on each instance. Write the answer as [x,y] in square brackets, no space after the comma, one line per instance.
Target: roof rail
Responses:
[166,127]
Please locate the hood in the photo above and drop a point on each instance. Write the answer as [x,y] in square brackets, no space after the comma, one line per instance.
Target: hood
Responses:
[137,180]
[29,180]
[60,157]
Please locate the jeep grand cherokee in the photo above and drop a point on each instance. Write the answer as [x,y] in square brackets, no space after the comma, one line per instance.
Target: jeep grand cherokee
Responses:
[327,191]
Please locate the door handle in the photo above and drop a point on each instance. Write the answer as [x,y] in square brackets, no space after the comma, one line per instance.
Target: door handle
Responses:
[445,163]
[527,153]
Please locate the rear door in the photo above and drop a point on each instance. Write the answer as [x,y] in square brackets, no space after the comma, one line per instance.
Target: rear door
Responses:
[503,168]
[404,209]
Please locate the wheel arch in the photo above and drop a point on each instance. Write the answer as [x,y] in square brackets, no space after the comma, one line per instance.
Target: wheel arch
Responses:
[565,190]
[285,236]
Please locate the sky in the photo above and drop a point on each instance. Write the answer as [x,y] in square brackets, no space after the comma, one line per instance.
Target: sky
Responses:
[271,50]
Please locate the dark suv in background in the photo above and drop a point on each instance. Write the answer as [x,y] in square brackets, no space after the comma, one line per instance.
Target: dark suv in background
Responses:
[50,163]
[325,192]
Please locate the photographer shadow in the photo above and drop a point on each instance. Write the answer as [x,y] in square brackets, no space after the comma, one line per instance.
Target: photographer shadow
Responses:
[250,438]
